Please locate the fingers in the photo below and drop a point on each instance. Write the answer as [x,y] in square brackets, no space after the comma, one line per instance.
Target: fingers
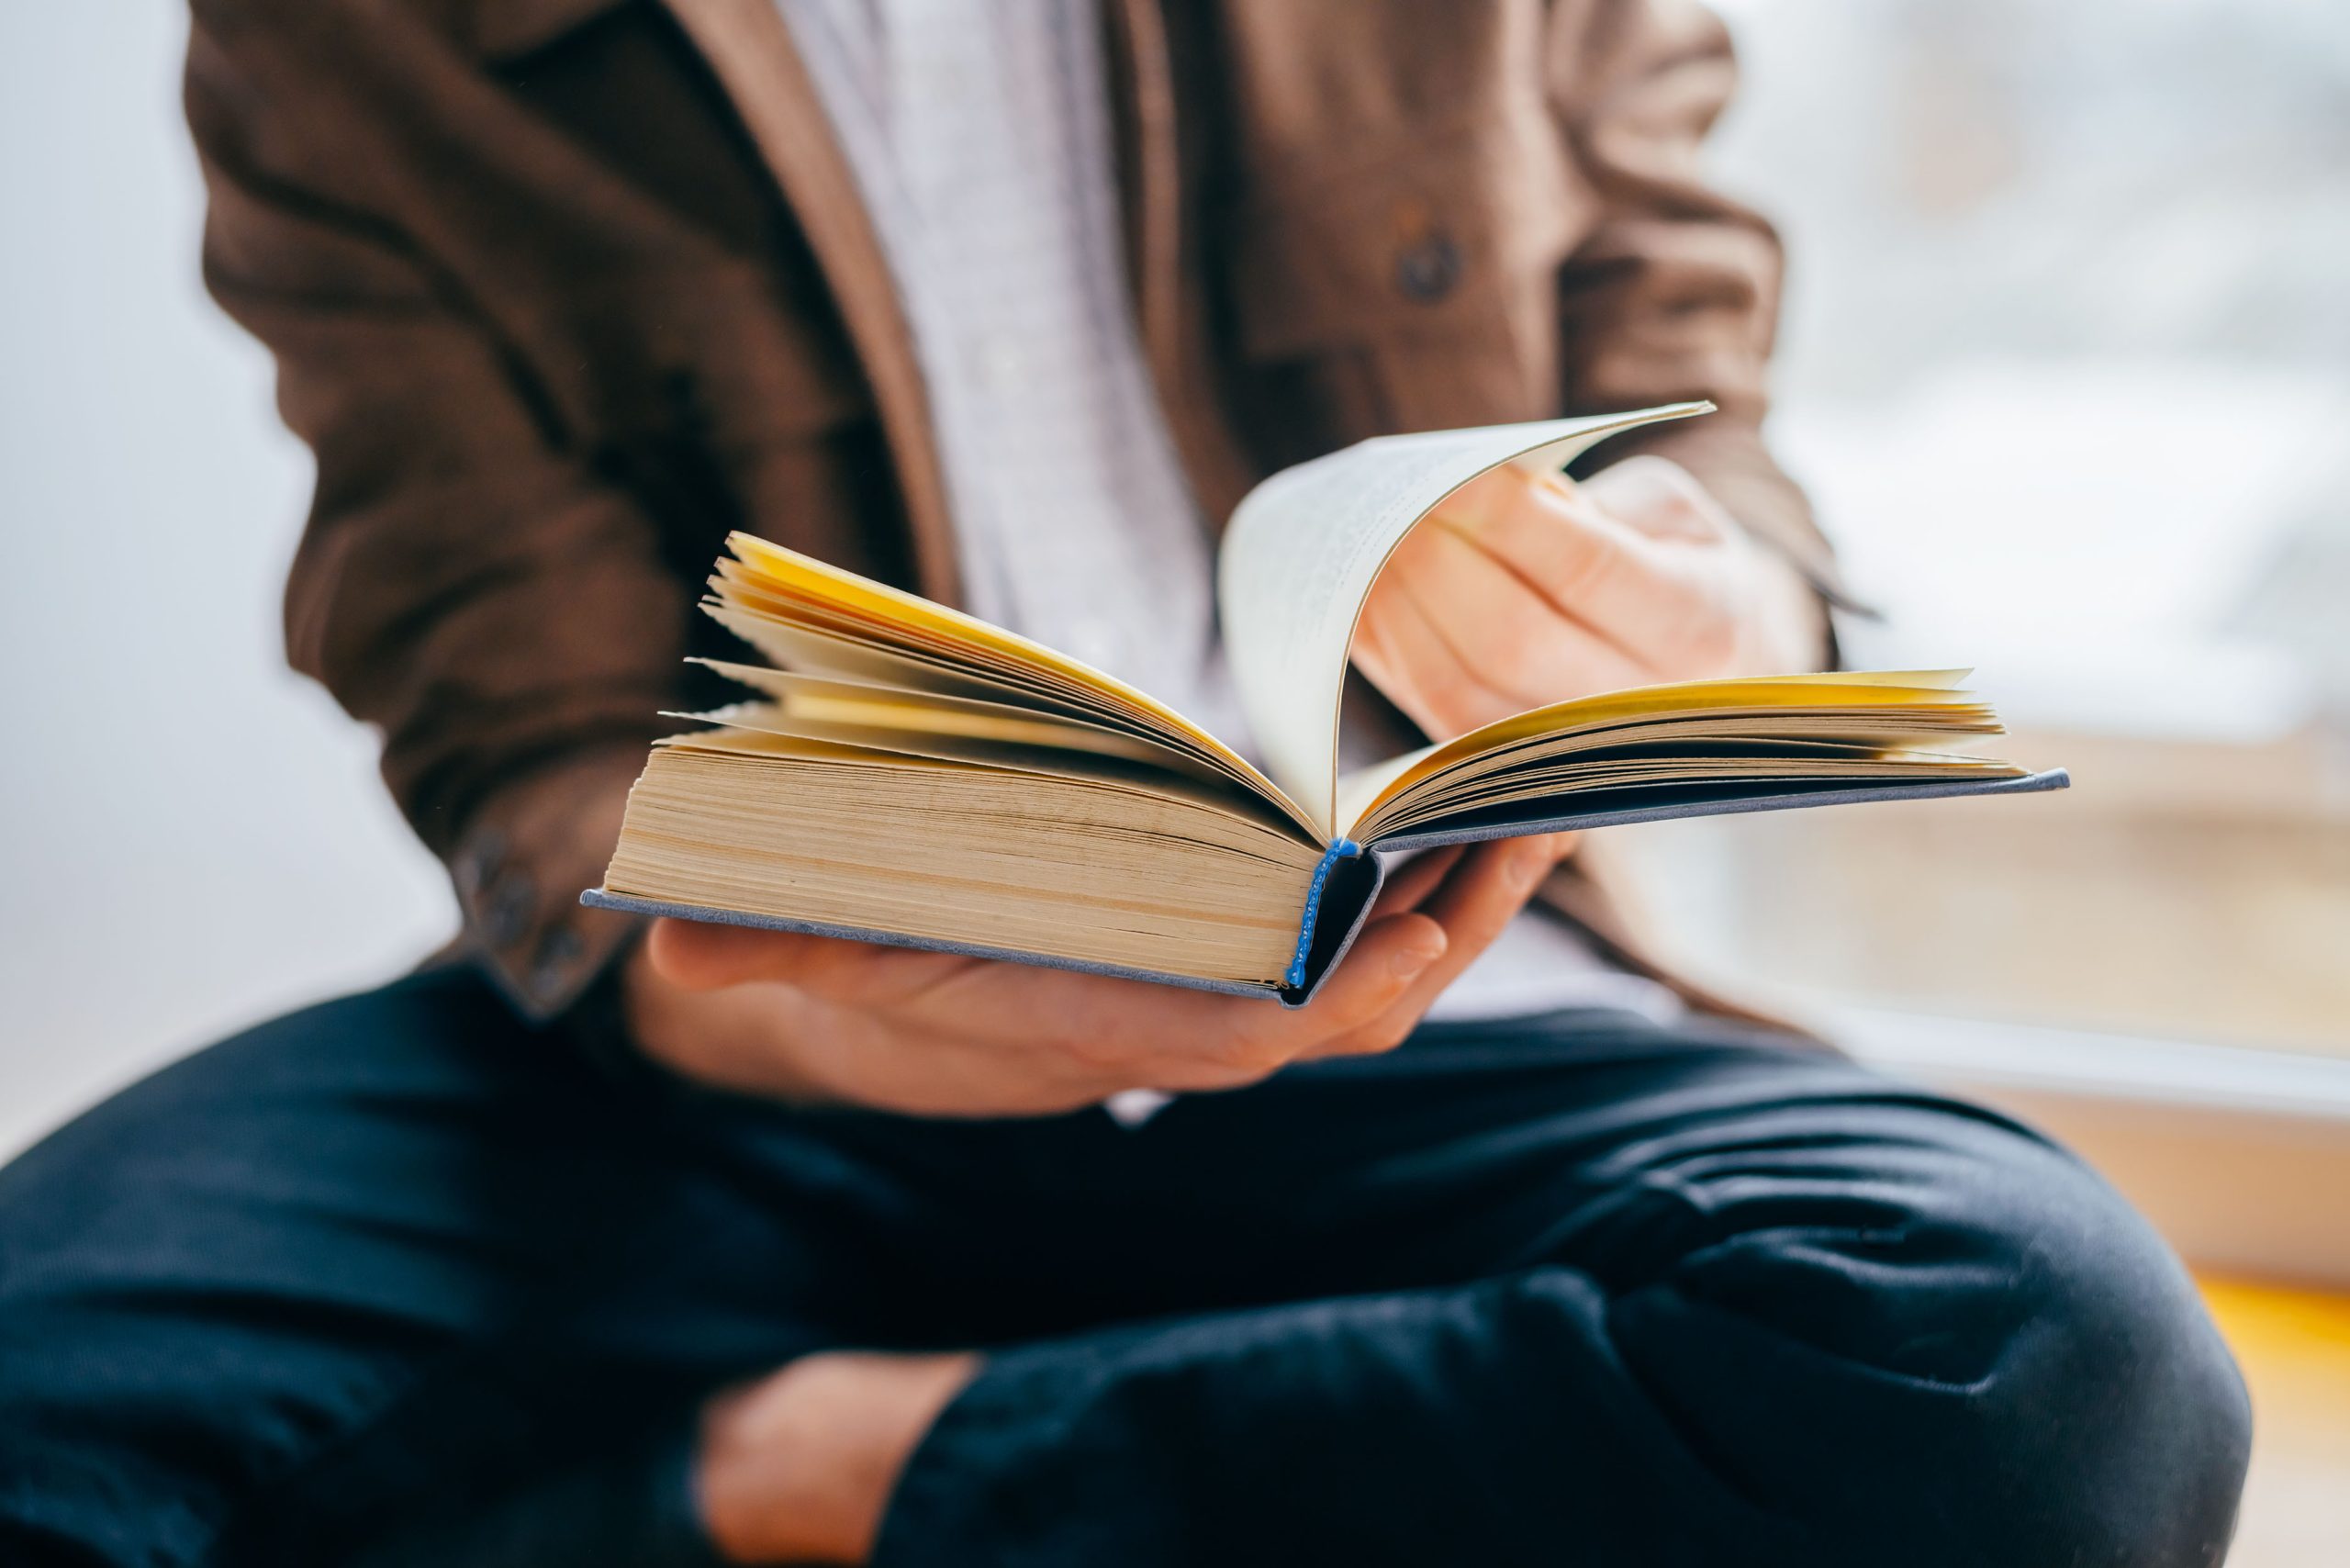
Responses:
[1779,619]
[1058,1037]
[1441,911]
[1120,1034]
[706,956]
[1132,1035]
[1494,630]
[1492,884]
[1660,498]
[1529,590]
[702,957]
[1391,954]
[1651,595]
[1401,653]
[1486,890]
[1411,882]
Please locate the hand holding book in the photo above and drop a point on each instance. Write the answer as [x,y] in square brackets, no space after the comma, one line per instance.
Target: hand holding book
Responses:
[819,1019]
[906,774]
[1524,588]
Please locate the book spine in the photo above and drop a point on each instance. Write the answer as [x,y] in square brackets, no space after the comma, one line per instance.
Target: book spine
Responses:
[1344,849]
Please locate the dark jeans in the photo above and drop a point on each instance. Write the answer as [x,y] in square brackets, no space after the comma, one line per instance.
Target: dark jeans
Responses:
[400,1280]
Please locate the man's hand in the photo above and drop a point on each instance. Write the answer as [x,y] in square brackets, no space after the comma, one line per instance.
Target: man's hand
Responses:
[817,1019]
[1522,591]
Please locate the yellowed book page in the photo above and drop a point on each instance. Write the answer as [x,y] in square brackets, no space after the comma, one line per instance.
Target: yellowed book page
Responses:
[799,649]
[839,701]
[1365,789]
[1303,550]
[1146,776]
[860,596]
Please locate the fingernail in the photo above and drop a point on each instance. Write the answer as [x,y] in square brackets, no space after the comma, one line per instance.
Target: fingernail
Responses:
[1411,961]
[1534,863]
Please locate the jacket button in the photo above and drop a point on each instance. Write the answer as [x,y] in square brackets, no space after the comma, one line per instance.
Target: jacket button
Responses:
[506,911]
[1427,269]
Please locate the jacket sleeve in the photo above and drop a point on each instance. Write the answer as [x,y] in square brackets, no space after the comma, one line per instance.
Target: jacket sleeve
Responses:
[465,583]
[1674,295]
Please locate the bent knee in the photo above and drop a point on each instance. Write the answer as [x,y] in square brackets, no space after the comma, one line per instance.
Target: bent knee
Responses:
[2116,1426]
[2105,1421]
[1992,1360]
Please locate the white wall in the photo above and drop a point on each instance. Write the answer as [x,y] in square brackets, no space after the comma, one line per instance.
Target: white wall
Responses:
[191,837]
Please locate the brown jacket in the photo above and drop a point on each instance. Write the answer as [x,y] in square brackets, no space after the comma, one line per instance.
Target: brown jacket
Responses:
[563,290]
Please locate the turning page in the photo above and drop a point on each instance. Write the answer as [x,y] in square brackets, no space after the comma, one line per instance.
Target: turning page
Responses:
[1304,549]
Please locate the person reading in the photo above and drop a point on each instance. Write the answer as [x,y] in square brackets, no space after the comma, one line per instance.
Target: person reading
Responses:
[617,1239]
[913,775]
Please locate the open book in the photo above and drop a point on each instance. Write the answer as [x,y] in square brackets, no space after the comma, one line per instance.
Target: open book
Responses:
[908,774]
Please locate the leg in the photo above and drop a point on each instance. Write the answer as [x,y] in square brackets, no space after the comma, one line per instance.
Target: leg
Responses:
[400,1253]
[1603,1293]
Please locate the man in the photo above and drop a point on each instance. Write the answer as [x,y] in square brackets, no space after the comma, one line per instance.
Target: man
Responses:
[647,1248]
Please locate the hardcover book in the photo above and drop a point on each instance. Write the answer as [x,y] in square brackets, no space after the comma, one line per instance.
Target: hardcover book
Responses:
[904,773]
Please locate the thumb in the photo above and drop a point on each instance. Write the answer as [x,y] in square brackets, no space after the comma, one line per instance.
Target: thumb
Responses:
[1660,498]
[702,956]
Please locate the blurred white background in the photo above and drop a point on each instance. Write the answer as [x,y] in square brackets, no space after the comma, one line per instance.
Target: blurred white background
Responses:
[2068,364]
[163,886]
[2067,361]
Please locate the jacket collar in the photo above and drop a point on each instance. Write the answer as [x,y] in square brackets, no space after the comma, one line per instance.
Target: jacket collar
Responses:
[749,49]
